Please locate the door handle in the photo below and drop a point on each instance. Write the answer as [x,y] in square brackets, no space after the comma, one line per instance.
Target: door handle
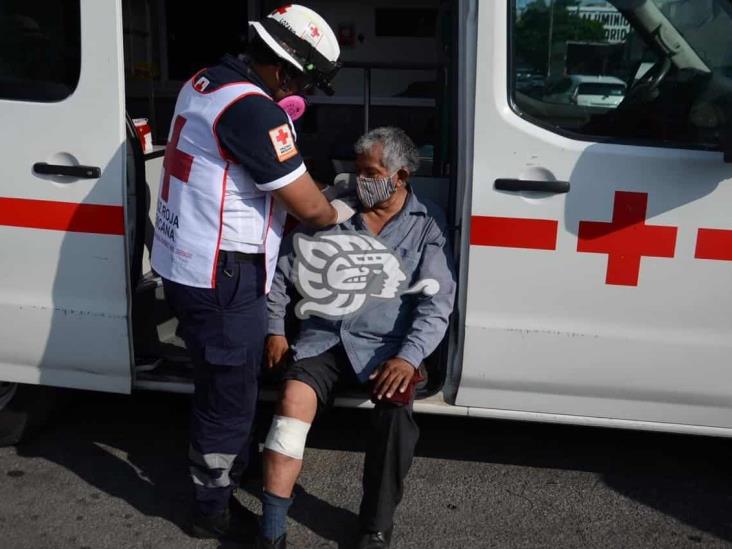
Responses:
[80,172]
[517,185]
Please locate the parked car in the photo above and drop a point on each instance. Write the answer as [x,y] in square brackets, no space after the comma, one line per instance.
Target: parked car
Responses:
[530,82]
[587,91]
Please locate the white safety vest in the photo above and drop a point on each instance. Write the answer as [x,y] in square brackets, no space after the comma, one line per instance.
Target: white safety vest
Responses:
[197,172]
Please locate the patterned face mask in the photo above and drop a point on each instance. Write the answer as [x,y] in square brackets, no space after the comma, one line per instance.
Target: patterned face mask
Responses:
[374,190]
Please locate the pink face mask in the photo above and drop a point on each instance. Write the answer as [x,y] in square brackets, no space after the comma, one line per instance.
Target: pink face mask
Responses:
[294,105]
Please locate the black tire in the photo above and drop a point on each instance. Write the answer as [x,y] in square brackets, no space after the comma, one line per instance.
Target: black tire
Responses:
[23,409]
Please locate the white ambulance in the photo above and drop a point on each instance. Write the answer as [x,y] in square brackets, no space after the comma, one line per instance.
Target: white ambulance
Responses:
[594,244]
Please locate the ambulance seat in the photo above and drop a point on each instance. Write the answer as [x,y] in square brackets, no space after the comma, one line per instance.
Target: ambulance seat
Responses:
[434,189]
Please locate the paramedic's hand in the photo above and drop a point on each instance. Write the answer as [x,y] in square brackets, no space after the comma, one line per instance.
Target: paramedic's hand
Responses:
[343,197]
[344,210]
[394,375]
[276,351]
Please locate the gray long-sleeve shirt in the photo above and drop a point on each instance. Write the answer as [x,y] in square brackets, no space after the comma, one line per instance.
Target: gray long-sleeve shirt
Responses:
[408,325]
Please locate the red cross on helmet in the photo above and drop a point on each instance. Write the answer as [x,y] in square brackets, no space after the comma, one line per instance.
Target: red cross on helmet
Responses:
[301,37]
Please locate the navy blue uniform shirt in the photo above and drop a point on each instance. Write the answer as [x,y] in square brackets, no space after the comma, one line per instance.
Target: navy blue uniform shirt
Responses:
[244,127]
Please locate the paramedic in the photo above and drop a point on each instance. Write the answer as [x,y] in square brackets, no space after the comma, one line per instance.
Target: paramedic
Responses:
[231,173]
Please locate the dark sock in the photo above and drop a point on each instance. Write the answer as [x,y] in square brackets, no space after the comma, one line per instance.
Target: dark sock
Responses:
[274,515]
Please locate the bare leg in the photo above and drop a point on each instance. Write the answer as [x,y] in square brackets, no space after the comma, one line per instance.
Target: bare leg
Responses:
[298,401]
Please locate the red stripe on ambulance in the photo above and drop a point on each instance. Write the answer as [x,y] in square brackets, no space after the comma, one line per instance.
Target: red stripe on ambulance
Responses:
[513,232]
[714,244]
[62,216]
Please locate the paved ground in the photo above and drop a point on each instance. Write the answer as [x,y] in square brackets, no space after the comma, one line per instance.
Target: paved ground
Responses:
[111,473]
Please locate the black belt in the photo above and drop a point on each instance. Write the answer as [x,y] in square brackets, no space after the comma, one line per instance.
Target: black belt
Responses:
[240,257]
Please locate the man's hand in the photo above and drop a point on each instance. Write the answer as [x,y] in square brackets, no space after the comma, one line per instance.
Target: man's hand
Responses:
[276,350]
[394,375]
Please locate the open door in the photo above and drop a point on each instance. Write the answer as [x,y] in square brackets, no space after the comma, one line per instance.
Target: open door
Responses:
[63,275]
[601,234]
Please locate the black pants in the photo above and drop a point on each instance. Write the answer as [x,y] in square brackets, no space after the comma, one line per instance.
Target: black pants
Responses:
[224,329]
[390,444]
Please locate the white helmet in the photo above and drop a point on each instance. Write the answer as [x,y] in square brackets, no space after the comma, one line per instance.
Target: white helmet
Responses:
[301,37]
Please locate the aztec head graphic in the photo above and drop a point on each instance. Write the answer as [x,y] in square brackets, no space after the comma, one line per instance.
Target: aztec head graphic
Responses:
[337,273]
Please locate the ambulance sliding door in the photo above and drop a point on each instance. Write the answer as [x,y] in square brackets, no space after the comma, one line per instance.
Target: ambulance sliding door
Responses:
[63,293]
[601,232]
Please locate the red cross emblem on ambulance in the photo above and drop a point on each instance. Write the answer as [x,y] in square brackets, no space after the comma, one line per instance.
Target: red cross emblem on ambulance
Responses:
[626,239]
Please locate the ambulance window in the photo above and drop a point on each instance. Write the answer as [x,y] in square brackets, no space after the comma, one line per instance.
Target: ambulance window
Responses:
[625,86]
[40,49]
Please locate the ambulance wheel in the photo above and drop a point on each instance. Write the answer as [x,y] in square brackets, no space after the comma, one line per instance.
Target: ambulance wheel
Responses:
[23,409]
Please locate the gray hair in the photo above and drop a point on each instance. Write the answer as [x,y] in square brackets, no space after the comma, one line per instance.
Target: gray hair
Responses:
[400,152]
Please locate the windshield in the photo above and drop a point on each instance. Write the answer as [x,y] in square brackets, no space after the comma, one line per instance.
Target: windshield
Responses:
[707,27]
[601,89]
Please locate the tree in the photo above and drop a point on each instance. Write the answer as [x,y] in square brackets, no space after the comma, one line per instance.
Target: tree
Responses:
[532,31]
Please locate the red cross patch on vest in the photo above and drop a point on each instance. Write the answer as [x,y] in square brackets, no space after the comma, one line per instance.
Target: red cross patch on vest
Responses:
[283,143]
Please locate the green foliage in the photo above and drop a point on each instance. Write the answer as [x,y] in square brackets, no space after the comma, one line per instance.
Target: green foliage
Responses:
[532,31]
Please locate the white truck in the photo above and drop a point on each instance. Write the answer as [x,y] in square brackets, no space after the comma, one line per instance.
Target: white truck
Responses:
[588,91]
[594,248]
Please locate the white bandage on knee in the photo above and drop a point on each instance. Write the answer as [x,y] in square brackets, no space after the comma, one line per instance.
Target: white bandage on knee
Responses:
[287,436]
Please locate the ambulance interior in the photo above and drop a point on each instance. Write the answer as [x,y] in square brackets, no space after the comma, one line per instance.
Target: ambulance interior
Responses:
[396,71]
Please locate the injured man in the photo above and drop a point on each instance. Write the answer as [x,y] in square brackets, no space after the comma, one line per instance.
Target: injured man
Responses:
[375,297]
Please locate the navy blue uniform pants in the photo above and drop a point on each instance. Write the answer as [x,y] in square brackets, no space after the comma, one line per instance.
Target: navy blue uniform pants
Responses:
[224,329]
